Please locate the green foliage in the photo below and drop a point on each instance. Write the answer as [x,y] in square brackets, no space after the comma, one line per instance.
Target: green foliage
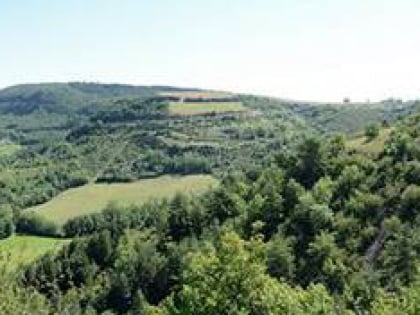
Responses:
[7,226]
[281,262]
[15,300]
[406,301]
[410,201]
[311,164]
[299,224]
[34,224]
[228,278]
[371,132]
[353,117]
[140,263]
[64,97]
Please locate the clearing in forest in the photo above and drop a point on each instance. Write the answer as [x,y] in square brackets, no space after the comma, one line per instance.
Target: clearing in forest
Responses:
[93,198]
[374,146]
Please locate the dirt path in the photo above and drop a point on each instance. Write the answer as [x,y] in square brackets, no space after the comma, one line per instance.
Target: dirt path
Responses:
[376,246]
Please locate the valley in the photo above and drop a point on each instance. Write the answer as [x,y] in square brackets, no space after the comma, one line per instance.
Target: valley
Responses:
[128,199]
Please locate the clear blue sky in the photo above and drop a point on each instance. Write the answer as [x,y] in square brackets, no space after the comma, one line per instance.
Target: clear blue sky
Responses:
[302,49]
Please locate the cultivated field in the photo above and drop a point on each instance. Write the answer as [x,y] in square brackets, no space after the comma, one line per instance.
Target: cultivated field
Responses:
[199,108]
[197,94]
[21,250]
[95,197]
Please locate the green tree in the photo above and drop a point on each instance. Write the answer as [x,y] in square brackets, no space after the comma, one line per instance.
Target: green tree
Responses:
[410,202]
[311,162]
[17,300]
[371,132]
[140,266]
[7,226]
[230,278]
[326,262]
[406,301]
[280,258]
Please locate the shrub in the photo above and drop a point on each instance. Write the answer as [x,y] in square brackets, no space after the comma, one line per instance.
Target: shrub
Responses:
[34,224]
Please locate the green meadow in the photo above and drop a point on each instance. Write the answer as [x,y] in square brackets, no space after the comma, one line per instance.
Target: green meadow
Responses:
[8,149]
[93,198]
[19,250]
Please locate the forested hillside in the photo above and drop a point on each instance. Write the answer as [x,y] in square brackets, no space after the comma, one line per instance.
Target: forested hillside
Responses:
[298,218]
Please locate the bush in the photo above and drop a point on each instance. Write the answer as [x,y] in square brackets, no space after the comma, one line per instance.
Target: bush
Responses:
[34,224]
[7,226]
[371,132]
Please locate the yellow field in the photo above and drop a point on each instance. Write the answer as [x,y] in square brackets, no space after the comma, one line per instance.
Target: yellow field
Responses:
[197,94]
[95,197]
[198,108]
[21,250]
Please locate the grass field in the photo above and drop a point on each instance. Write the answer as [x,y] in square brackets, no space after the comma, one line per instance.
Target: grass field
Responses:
[191,108]
[197,94]
[8,149]
[374,146]
[95,197]
[21,250]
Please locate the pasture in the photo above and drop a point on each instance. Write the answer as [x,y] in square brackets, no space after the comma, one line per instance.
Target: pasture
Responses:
[200,108]
[93,198]
[20,250]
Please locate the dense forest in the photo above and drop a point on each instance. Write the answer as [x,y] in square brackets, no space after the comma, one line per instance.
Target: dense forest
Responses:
[316,210]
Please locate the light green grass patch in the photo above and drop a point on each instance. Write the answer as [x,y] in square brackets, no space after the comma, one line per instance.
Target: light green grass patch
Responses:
[375,146]
[21,250]
[9,149]
[198,108]
[93,198]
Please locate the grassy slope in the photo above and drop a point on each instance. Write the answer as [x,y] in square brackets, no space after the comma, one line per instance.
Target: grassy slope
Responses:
[363,145]
[192,108]
[94,197]
[8,149]
[18,250]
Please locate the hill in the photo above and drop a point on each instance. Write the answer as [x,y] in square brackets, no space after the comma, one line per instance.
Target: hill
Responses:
[351,117]
[302,218]
[325,228]
[66,98]
[134,139]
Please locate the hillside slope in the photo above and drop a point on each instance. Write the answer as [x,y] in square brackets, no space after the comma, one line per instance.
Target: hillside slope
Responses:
[323,229]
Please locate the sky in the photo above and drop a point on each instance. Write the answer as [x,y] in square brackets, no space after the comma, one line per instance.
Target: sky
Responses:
[321,50]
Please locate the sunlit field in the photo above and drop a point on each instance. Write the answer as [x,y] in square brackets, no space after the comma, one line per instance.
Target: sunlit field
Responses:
[95,197]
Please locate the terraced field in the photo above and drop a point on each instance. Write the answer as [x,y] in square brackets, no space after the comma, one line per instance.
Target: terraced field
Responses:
[93,198]
[199,108]
[197,94]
